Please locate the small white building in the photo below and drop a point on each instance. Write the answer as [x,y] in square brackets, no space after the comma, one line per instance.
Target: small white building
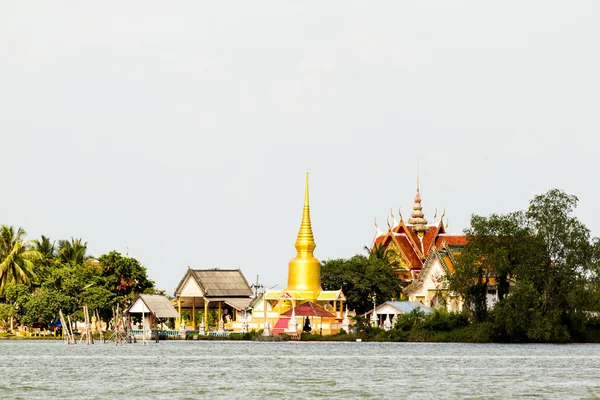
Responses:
[385,313]
[151,308]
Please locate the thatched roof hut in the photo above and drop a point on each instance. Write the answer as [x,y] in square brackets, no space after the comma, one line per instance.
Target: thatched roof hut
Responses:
[214,285]
[153,304]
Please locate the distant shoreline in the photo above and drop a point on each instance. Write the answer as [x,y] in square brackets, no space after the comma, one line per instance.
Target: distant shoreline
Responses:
[311,339]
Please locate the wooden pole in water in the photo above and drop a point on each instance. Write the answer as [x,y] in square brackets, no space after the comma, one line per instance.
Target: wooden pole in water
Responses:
[70,329]
[88,327]
[65,328]
[99,326]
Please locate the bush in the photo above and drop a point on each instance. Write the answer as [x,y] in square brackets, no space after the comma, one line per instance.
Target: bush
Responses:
[410,321]
[6,311]
[444,321]
[243,336]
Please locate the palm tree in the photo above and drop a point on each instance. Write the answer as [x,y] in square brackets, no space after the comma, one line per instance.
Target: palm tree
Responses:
[16,258]
[380,252]
[46,248]
[73,251]
[48,260]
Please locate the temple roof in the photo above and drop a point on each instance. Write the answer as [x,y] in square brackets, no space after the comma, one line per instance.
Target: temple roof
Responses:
[157,304]
[445,260]
[309,309]
[408,250]
[417,238]
[429,237]
[331,295]
[451,240]
[218,282]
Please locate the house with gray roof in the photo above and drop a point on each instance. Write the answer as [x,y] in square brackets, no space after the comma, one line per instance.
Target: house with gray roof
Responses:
[225,290]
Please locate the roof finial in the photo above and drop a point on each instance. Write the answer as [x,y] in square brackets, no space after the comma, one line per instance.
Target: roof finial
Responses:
[417,175]
[306,191]
[377,230]
[417,217]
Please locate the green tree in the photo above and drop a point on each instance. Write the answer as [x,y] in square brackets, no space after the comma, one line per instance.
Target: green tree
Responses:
[382,253]
[499,248]
[17,295]
[6,313]
[569,261]
[44,305]
[124,276]
[568,248]
[16,258]
[47,260]
[360,278]
[542,262]
[592,284]
[45,247]
[73,251]
[101,299]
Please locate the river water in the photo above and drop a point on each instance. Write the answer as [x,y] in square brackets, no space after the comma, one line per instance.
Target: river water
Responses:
[293,370]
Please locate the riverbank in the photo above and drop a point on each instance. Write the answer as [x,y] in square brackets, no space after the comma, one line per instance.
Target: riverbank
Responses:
[12,336]
[472,334]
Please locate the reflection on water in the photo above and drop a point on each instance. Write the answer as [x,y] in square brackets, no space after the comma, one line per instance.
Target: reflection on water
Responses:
[39,369]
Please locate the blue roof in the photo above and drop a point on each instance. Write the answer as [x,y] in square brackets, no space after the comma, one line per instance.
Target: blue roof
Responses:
[408,306]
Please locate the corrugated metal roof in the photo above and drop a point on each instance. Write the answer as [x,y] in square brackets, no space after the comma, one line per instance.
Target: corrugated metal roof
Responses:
[408,306]
[158,305]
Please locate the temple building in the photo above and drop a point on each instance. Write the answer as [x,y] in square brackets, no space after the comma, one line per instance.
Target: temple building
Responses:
[429,286]
[303,296]
[225,291]
[302,305]
[424,251]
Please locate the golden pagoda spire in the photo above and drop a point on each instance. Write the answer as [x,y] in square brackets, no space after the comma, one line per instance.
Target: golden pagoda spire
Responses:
[304,271]
[305,242]
[417,217]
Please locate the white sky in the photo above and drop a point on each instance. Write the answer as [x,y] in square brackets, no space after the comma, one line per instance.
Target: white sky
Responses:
[182,130]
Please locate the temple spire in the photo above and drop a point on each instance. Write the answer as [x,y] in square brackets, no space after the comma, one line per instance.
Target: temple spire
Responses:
[417,175]
[305,243]
[417,216]
[304,271]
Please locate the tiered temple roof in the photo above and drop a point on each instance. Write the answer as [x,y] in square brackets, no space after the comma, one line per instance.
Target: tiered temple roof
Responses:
[415,240]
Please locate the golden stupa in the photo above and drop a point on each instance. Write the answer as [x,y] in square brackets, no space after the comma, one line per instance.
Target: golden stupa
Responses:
[303,286]
[304,270]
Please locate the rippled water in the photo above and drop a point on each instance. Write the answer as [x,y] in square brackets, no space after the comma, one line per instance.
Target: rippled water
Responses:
[202,369]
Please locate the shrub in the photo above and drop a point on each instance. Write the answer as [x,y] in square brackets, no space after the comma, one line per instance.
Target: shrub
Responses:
[444,321]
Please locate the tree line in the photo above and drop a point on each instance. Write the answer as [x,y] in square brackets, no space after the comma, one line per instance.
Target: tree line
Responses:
[544,266]
[364,279]
[40,277]
[541,263]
